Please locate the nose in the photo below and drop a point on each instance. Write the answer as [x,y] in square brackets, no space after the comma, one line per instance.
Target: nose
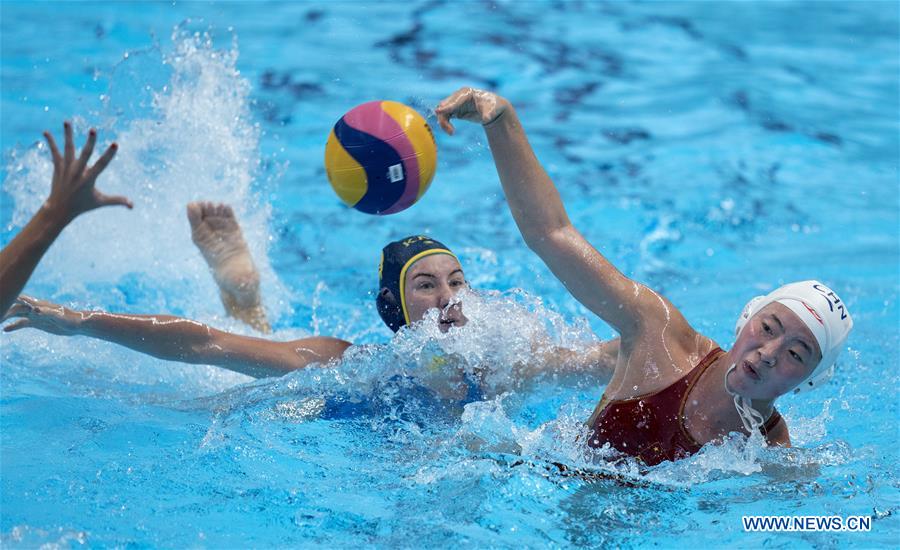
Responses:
[444,296]
[768,353]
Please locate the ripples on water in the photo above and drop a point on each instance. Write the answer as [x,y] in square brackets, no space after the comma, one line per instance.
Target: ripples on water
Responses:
[712,150]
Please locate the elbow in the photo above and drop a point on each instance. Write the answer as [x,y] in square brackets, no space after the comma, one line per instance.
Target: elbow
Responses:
[204,353]
[542,241]
[204,349]
[533,241]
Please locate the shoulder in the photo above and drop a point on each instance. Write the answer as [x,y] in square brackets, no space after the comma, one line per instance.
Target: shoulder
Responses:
[660,316]
[776,431]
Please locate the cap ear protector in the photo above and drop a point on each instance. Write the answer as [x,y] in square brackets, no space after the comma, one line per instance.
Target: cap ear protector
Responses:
[396,259]
[821,311]
[389,309]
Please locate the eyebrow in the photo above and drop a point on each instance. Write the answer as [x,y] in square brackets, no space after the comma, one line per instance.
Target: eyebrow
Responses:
[808,348]
[777,320]
[423,274]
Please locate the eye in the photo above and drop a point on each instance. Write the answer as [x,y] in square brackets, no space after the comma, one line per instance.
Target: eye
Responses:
[766,327]
[796,356]
[456,283]
[425,285]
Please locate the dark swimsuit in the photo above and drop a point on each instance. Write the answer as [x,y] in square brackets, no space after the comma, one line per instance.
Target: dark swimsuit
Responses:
[651,427]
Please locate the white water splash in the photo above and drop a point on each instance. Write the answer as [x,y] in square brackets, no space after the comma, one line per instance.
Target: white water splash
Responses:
[195,140]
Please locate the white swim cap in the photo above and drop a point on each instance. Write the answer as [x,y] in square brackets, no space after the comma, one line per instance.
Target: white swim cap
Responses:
[821,311]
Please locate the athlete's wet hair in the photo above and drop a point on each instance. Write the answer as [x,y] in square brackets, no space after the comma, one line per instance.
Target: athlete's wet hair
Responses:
[396,259]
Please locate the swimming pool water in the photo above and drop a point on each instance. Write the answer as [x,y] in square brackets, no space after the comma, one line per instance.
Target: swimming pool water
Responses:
[712,150]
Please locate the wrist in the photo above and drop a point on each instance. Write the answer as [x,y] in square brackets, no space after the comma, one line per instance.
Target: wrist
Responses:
[45,226]
[52,214]
[504,108]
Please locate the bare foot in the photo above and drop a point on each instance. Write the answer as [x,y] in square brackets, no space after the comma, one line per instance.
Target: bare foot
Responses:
[216,232]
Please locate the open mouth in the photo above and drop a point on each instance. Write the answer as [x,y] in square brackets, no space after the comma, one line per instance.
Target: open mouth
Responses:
[748,368]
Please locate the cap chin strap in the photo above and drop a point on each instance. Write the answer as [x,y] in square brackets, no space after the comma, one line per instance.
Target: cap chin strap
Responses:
[750,417]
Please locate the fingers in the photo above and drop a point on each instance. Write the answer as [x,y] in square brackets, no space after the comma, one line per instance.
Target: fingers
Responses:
[70,144]
[54,154]
[27,300]
[15,310]
[454,105]
[444,111]
[20,308]
[20,324]
[101,163]
[444,123]
[453,100]
[112,200]
[78,169]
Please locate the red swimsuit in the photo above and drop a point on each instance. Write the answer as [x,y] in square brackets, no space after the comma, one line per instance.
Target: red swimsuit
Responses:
[651,427]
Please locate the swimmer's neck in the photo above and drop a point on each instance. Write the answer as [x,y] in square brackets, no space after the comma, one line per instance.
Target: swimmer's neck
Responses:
[721,403]
[765,407]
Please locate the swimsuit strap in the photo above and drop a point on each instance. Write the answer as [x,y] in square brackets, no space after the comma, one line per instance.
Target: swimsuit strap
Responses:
[692,379]
[701,367]
[770,424]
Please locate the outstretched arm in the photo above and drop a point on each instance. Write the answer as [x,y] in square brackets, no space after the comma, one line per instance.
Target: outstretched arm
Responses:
[177,339]
[72,193]
[595,363]
[539,213]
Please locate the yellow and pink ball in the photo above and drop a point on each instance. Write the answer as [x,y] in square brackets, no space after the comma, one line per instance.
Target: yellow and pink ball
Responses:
[380,157]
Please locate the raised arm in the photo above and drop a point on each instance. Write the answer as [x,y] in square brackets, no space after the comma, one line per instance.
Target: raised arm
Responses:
[539,213]
[176,339]
[72,193]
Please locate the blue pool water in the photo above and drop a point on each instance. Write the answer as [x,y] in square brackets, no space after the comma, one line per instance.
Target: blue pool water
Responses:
[712,150]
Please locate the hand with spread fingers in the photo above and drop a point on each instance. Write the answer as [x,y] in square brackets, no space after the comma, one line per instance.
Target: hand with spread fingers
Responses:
[43,315]
[470,104]
[72,193]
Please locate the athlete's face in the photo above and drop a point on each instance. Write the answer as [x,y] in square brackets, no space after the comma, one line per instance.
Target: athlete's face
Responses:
[774,353]
[431,283]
